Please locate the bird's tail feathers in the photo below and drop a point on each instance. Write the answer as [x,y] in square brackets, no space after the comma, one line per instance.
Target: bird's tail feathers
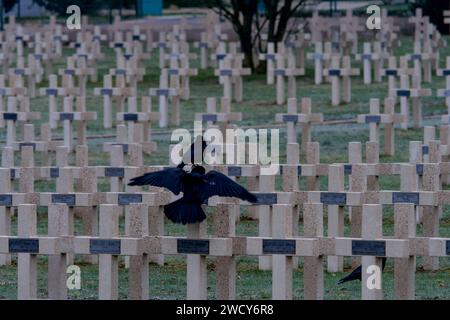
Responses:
[138,181]
[184,212]
[354,275]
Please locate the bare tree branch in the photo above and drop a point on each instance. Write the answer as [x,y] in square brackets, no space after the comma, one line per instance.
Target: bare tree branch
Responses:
[259,28]
[249,25]
[296,7]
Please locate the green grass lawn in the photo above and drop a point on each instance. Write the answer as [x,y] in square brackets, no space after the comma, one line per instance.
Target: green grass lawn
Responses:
[258,109]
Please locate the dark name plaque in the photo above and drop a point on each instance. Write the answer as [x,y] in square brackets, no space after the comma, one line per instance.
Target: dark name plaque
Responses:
[225,73]
[51,92]
[446,72]
[416,57]
[234,171]
[122,72]
[220,56]
[209,117]
[174,72]
[70,72]
[403,93]
[130,117]
[278,246]
[162,92]
[23,245]
[54,172]
[290,44]
[104,246]
[118,45]
[127,198]
[405,197]
[367,56]
[334,72]
[68,199]
[318,56]
[419,169]
[335,198]
[280,72]
[68,116]
[266,198]
[5,200]
[373,119]
[12,174]
[425,150]
[270,56]
[290,118]
[447,247]
[106,92]
[193,246]
[391,72]
[136,37]
[114,172]
[368,248]
[447,93]
[10,116]
[19,72]
[347,169]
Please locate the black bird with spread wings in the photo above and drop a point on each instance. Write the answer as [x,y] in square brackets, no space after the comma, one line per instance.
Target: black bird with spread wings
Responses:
[197,187]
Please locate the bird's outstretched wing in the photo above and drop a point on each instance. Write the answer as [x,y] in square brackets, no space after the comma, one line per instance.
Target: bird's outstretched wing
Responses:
[171,178]
[218,184]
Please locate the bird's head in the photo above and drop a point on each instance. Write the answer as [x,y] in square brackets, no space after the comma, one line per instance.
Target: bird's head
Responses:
[188,168]
[194,168]
[198,168]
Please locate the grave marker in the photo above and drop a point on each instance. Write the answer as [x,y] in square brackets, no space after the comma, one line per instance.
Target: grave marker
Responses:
[337,74]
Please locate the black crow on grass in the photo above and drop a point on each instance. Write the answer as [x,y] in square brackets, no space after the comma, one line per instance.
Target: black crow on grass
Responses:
[197,187]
